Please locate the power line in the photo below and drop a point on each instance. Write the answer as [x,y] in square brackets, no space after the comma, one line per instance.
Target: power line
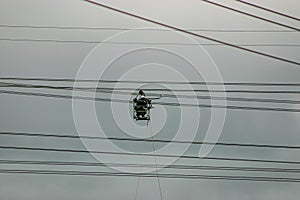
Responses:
[269,10]
[141,43]
[201,90]
[148,140]
[192,33]
[151,175]
[99,90]
[133,165]
[167,90]
[148,155]
[145,81]
[250,15]
[145,29]
[251,108]
[163,89]
[197,90]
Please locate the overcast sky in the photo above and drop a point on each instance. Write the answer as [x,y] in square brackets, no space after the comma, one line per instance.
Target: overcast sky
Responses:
[153,62]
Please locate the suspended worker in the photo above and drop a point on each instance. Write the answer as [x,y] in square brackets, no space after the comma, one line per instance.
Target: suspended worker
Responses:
[140,95]
[142,106]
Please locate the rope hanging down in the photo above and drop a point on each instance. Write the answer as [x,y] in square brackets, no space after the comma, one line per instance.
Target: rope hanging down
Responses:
[155,162]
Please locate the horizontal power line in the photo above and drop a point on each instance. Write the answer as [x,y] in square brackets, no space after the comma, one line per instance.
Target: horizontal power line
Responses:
[248,108]
[141,43]
[168,90]
[158,95]
[180,90]
[146,81]
[133,165]
[147,140]
[147,155]
[145,29]
[268,10]
[151,175]
[192,33]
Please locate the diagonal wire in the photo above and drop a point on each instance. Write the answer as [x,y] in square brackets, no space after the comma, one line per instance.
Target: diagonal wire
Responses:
[192,33]
[269,10]
[250,15]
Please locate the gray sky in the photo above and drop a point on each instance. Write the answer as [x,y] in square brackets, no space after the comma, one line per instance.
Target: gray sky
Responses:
[63,60]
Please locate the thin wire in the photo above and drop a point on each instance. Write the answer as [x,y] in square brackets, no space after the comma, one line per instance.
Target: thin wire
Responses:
[161,89]
[138,183]
[201,90]
[150,175]
[114,91]
[155,162]
[269,10]
[145,81]
[197,90]
[25,134]
[131,165]
[150,155]
[142,29]
[141,43]
[192,33]
[250,15]
[138,186]
[95,99]
[103,89]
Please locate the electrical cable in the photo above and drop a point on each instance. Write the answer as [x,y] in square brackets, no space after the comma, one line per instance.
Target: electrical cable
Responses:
[268,10]
[143,29]
[97,99]
[103,89]
[249,14]
[152,82]
[141,43]
[158,89]
[192,33]
[178,96]
[132,165]
[68,136]
[148,155]
[151,175]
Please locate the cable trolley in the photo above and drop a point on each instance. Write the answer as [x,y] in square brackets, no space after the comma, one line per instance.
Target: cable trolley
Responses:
[141,107]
